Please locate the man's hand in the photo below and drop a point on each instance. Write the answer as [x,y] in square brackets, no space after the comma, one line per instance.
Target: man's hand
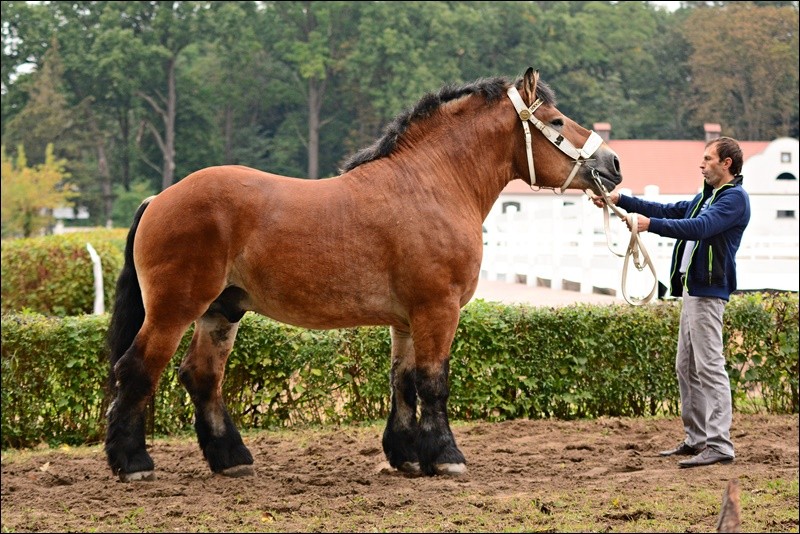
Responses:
[600,202]
[642,222]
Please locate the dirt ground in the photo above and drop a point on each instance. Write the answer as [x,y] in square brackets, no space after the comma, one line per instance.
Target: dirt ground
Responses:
[601,475]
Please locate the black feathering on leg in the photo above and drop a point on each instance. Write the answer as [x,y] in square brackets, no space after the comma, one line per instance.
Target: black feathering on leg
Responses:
[435,441]
[125,436]
[224,450]
[399,435]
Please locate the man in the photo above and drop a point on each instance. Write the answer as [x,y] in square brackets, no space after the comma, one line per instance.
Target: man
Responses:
[708,231]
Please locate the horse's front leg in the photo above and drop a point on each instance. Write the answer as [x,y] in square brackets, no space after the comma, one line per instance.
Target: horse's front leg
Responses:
[401,428]
[201,372]
[433,332]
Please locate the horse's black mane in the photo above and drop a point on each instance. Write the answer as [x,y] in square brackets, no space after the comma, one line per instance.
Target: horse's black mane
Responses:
[491,88]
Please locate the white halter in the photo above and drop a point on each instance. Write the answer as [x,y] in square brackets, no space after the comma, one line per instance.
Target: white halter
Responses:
[579,156]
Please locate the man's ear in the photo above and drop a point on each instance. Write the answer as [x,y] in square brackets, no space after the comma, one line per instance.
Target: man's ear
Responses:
[727,162]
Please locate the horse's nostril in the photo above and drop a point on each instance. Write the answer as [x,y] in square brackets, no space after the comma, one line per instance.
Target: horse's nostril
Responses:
[616,165]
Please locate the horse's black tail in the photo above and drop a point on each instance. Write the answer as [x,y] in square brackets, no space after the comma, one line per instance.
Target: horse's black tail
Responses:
[128,314]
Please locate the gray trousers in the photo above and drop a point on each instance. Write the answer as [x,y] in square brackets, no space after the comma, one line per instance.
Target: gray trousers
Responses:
[706,408]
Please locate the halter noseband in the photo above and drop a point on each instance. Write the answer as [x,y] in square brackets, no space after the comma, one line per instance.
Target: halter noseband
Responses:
[579,156]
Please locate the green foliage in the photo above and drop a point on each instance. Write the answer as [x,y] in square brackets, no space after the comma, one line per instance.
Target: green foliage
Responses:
[507,362]
[761,335]
[574,361]
[47,123]
[30,194]
[732,86]
[53,275]
[54,377]
[128,202]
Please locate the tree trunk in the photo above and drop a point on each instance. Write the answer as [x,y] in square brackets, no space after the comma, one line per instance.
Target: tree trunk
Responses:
[102,169]
[125,132]
[228,135]
[316,90]
[168,169]
[105,181]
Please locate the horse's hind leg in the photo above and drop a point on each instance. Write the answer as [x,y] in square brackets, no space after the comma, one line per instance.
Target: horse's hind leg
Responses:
[136,376]
[202,371]
[401,428]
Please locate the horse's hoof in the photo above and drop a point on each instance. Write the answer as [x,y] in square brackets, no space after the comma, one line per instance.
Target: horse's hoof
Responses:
[136,476]
[239,471]
[409,467]
[450,469]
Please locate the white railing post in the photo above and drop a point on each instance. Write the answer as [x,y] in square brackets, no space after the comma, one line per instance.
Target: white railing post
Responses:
[556,246]
[97,270]
[586,248]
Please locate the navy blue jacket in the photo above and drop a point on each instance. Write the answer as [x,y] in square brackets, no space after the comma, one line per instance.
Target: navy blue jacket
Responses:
[716,230]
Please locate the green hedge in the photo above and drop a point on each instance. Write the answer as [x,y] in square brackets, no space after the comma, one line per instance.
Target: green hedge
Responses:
[53,275]
[508,362]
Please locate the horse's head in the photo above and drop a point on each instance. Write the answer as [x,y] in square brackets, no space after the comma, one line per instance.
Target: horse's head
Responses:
[559,152]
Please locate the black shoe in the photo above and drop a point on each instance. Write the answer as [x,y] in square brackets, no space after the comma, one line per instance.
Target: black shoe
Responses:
[707,457]
[681,450]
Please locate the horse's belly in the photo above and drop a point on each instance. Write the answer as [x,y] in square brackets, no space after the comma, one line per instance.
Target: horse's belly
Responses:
[324,319]
[325,308]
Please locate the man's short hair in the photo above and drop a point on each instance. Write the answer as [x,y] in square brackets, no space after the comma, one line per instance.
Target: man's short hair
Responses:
[727,147]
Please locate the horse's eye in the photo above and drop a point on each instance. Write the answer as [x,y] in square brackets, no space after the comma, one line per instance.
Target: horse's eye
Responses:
[557,123]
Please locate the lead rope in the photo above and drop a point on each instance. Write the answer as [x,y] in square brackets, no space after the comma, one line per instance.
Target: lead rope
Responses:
[635,246]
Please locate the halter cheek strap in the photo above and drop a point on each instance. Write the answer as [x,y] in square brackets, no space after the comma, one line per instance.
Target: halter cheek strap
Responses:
[580,156]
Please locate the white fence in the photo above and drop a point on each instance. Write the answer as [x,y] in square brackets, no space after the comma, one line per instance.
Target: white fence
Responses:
[565,247]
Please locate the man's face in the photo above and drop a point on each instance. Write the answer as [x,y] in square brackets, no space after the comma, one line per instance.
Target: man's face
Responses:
[715,172]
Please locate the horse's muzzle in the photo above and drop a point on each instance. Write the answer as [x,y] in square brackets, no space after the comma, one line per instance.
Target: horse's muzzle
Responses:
[606,170]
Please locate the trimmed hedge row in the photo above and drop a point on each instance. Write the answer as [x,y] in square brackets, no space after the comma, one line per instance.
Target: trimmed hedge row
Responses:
[508,362]
[53,274]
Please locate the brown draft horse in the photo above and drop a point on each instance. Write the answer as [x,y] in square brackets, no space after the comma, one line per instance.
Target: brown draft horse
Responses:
[395,240]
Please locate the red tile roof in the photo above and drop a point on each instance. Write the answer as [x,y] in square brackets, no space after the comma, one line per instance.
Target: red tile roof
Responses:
[674,166]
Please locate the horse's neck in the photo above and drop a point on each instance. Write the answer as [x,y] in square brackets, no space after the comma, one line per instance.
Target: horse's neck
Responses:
[469,163]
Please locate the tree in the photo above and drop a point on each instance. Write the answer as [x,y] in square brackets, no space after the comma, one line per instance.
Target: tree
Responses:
[313,40]
[235,68]
[30,194]
[128,201]
[667,113]
[400,55]
[745,68]
[26,37]
[75,26]
[164,30]
[47,117]
[152,90]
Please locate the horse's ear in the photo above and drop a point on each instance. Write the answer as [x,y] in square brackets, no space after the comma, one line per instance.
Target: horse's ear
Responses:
[529,83]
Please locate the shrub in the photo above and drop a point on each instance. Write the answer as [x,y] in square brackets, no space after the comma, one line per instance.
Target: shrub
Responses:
[507,362]
[53,275]
[761,337]
[54,373]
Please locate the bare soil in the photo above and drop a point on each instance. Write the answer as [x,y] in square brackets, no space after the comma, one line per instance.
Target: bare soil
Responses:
[602,475]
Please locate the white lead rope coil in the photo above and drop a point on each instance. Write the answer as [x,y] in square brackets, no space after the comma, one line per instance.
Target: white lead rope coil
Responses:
[635,246]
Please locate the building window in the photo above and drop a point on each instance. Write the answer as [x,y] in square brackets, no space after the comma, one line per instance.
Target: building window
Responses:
[516,207]
[786,157]
[786,176]
[785,214]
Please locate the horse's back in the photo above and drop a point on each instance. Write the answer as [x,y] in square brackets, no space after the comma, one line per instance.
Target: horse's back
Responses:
[300,249]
